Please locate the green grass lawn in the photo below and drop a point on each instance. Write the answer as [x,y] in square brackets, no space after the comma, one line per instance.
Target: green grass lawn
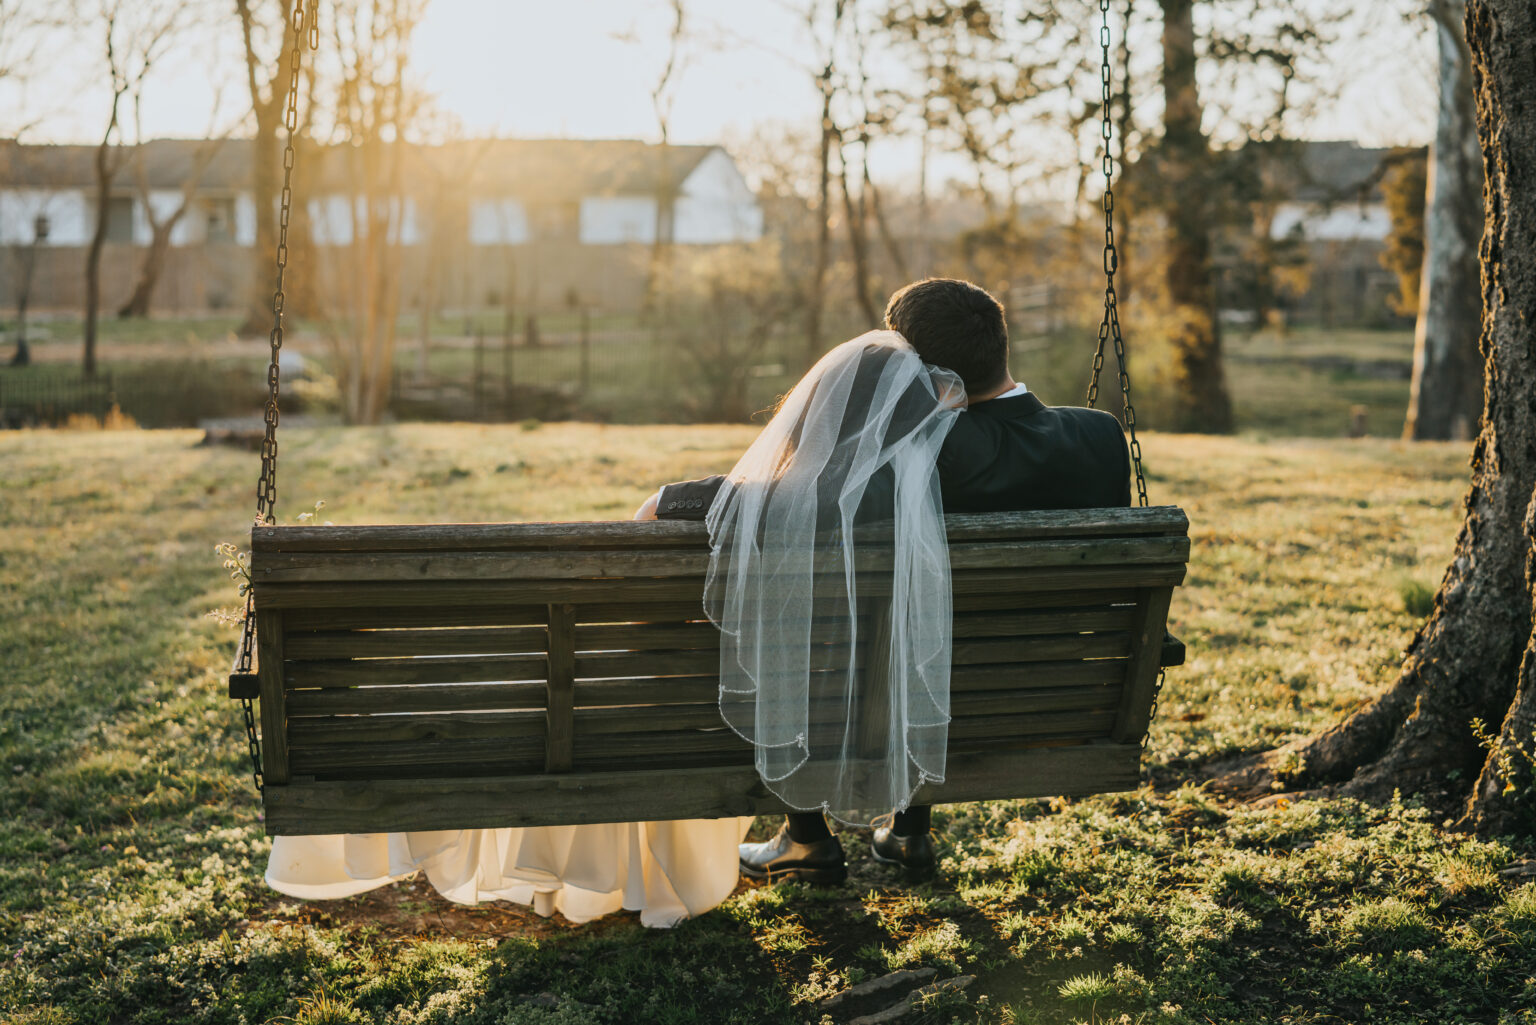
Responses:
[131,850]
[1304,383]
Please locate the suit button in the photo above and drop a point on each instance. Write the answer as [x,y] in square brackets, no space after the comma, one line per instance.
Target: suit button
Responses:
[671,506]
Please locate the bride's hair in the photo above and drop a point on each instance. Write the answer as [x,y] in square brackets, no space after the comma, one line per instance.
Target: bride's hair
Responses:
[956,325]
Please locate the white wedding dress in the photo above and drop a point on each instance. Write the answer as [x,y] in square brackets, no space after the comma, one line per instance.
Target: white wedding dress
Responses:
[667,871]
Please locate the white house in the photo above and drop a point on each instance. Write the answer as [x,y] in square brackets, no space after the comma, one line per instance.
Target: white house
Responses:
[564,196]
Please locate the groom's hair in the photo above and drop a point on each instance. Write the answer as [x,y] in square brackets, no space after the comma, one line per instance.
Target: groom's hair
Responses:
[955,325]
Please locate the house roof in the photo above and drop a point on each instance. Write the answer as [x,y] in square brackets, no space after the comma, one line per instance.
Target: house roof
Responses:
[1328,171]
[547,169]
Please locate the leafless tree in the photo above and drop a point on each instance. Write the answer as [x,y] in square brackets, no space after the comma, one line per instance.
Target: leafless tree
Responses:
[663,95]
[374,106]
[136,34]
[266,33]
[162,222]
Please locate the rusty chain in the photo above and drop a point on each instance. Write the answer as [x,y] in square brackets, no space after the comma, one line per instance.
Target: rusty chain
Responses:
[1109,327]
[266,486]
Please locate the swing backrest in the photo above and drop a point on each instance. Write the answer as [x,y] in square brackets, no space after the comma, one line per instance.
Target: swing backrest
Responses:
[478,675]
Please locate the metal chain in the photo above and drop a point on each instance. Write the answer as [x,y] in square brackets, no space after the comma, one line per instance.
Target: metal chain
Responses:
[1109,327]
[266,485]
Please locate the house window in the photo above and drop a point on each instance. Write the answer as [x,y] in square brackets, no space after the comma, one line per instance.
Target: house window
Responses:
[120,219]
[219,214]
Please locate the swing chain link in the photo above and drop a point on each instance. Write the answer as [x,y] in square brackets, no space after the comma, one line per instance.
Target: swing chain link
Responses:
[266,485]
[1109,327]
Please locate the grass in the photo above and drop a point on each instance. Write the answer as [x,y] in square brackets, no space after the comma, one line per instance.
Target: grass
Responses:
[1305,383]
[131,849]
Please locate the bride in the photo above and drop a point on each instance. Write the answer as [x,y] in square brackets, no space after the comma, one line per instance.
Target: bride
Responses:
[855,441]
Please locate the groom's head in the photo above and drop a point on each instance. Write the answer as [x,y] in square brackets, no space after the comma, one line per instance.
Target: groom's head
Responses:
[955,325]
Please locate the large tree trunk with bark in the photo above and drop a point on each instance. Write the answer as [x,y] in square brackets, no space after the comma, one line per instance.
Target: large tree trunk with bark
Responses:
[1476,656]
[1447,390]
[1201,402]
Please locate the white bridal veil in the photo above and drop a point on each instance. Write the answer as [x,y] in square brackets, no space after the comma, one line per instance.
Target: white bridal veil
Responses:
[829,580]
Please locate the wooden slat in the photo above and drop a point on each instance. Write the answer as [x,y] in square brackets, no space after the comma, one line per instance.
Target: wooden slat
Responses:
[993,582]
[407,698]
[441,537]
[647,691]
[591,665]
[874,693]
[368,617]
[331,644]
[458,758]
[669,718]
[299,567]
[1009,601]
[562,680]
[640,794]
[324,731]
[436,537]
[447,669]
[963,679]
[1063,647]
[646,636]
[274,726]
[641,612]
[1031,622]
[1142,666]
[474,592]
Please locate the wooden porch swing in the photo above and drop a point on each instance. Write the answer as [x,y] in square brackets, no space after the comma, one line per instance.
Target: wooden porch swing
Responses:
[435,676]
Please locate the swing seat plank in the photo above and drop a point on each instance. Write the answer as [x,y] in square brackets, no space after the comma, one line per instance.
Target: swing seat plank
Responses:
[431,676]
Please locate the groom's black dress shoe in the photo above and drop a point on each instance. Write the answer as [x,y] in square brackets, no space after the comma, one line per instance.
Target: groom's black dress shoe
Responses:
[913,853]
[782,858]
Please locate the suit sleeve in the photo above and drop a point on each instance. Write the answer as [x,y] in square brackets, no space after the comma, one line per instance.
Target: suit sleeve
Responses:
[689,499]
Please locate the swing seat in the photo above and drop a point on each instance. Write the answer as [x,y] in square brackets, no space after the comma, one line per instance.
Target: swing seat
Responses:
[450,676]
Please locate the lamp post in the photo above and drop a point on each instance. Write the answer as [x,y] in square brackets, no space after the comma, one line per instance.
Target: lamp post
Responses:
[23,354]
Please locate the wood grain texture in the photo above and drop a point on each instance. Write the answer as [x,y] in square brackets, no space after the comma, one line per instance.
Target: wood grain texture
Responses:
[1142,666]
[332,644]
[448,669]
[407,698]
[274,715]
[630,534]
[301,567]
[560,732]
[640,794]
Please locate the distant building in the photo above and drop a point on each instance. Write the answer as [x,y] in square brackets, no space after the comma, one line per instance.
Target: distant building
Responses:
[530,221]
[1324,213]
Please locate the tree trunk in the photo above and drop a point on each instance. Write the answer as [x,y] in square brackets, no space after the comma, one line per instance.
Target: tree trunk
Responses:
[1447,392]
[152,267]
[105,171]
[858,242]
[1476,656]
[816,300]
[265,168]
[1201,402]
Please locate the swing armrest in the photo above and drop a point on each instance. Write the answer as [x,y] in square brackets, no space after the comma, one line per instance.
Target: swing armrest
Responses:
[243,686]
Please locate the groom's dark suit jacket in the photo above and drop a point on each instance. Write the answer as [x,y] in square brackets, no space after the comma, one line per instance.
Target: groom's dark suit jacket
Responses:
[1002,455]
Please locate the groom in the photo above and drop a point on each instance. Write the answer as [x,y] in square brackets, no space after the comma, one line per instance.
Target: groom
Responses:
[1008,451]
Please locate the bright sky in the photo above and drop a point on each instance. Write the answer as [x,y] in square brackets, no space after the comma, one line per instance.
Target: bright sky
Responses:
[584,68]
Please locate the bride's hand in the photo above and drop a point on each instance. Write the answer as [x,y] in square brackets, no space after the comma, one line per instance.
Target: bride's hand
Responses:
[647,510]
